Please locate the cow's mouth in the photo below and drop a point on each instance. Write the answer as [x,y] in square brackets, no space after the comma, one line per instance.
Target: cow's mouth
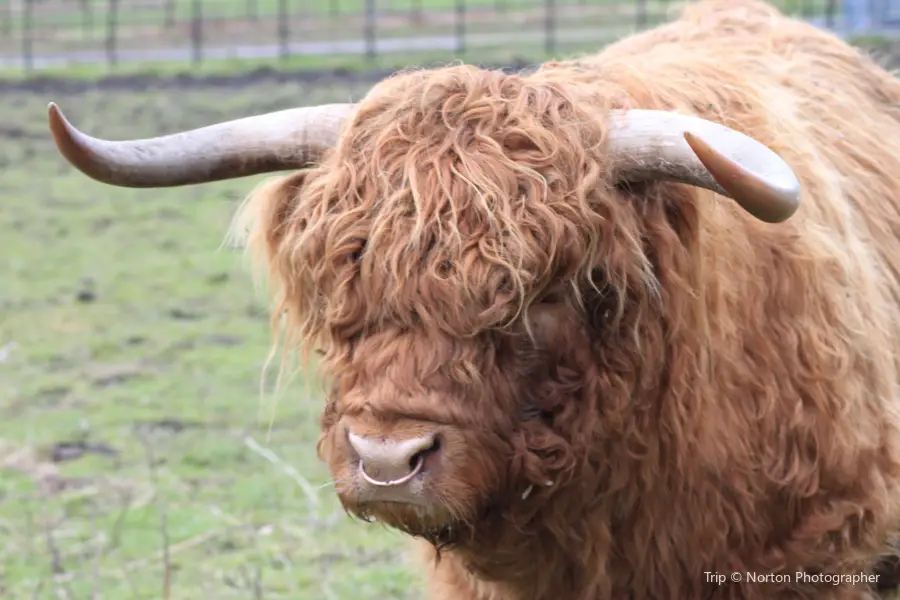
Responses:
[436,527]
[442,537]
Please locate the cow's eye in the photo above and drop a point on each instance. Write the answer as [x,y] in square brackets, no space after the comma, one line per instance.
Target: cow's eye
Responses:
[554,297]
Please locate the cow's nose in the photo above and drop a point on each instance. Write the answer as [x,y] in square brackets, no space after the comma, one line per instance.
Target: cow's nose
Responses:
[386,462]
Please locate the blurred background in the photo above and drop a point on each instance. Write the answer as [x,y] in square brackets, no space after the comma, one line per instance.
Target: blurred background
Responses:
[138,456]
[72,34]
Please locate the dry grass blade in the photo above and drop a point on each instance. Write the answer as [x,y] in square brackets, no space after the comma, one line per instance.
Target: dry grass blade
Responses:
[288,470]
[163,521]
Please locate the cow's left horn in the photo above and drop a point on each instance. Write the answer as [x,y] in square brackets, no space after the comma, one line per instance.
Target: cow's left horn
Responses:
[288,139]
[650,144]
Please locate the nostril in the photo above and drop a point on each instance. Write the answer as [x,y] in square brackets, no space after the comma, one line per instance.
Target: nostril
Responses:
[423,454]
[386,462]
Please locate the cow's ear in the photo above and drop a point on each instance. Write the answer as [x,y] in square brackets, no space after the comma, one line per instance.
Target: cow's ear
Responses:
[260,223]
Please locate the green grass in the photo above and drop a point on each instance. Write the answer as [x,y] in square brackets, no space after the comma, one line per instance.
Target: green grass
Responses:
[123,323]
[293,64]
[220,68]
[92,72]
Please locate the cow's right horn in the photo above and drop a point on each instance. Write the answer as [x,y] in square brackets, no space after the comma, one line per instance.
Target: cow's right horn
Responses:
[277,141]
[651,144]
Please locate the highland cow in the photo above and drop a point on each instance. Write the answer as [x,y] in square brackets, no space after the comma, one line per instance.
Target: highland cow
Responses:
[579,333]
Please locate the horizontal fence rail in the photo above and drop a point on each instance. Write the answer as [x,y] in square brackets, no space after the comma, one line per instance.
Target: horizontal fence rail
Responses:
[37,34]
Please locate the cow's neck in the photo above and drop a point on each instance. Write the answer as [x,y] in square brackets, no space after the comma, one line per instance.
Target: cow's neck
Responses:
[513,562]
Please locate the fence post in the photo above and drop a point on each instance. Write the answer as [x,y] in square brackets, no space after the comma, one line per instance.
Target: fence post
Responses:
[112,30]
[460,26]
[550,26]
[27,33]
[169,16]
[284,30]
[6,26]
[369,33]
[830,9]
[641,16]
[197,31]
[87,17]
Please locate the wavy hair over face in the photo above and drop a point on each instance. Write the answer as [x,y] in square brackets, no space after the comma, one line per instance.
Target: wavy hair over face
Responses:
[705,392]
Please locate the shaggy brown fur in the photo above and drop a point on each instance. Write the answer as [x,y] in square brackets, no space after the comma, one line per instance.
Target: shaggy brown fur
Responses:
[705,392]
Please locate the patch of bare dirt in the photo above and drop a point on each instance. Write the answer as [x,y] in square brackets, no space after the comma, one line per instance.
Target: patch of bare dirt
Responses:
[41,465]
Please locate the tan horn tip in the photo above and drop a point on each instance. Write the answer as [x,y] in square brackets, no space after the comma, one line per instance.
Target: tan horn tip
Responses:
[58,124]
[65,137]
[772,196]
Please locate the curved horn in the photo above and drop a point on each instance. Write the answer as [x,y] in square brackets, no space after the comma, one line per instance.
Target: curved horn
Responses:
[287,139]
[651,144]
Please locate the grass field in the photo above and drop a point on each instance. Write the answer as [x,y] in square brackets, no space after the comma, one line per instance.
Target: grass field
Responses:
[137,459]
[130,353]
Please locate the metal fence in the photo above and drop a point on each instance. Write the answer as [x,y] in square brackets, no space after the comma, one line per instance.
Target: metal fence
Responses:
[35,34]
